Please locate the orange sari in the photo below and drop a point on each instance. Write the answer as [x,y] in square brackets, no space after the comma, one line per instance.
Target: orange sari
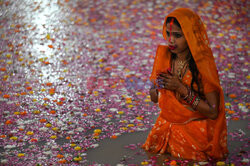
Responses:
[179,131]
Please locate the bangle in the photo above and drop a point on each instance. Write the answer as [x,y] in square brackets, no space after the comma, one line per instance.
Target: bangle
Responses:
[190,97]
[196,102]
[193,100]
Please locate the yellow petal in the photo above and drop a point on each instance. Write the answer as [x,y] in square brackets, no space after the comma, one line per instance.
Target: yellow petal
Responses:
[97,131]
[78,148]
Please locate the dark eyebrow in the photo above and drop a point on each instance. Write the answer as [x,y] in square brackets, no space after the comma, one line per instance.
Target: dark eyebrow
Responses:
[175,32]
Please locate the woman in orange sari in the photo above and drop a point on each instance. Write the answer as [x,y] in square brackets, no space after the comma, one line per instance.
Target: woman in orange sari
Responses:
[192,123]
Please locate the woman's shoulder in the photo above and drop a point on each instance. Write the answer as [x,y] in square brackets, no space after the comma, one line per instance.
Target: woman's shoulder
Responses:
[163,51]
[162,47]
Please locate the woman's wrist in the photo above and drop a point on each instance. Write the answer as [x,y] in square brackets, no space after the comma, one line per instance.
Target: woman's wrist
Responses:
[154,94]
[183,90]
[192,99]
[154,90]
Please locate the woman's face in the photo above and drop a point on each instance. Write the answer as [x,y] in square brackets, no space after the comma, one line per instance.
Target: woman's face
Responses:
[176,39]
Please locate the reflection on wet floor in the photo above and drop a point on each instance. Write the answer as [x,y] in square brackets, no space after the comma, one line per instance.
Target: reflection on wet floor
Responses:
[74,78]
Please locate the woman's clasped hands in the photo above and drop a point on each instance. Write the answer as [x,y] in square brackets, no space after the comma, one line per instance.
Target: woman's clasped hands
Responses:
[168,80]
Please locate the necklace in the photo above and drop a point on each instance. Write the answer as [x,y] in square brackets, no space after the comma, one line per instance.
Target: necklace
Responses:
[180,65]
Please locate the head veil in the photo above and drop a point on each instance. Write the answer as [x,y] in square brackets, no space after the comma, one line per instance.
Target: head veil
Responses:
[196,36]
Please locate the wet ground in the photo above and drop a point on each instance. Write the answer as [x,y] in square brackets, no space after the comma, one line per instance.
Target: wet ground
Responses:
[74,78]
